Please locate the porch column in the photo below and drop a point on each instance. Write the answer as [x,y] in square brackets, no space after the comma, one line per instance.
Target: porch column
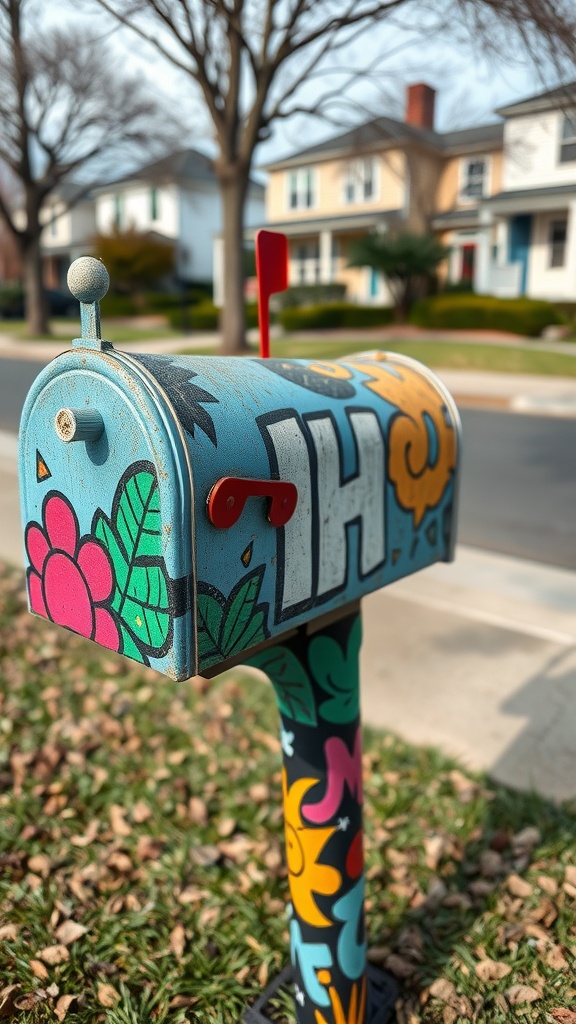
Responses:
[325,257]
[571,246]
[483,258]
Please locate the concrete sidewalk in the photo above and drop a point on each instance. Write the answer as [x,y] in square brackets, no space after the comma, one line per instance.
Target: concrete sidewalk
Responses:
[477,658]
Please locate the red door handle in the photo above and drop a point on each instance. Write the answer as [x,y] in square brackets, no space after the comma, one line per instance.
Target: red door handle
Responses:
[228,497]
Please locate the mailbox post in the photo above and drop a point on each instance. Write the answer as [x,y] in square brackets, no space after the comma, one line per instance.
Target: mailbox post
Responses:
[195,513]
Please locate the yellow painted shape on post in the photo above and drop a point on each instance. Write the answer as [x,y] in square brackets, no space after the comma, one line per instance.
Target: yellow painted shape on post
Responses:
[303,848]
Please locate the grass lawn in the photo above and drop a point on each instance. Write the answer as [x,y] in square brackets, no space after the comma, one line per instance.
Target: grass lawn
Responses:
[141,856]
[115,330]
[446,354]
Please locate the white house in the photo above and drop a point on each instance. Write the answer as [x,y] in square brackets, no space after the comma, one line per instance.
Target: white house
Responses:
[527,242]
[67,232]
[177,198]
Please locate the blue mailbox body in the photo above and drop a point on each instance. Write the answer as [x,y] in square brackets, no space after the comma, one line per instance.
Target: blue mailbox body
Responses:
[121,542]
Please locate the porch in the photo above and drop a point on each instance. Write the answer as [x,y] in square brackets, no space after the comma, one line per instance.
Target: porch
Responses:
[527,244]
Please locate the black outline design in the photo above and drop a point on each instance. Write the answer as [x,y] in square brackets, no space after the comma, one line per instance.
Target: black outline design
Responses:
[246,556]
[297,372]
[40,459]
[185,396]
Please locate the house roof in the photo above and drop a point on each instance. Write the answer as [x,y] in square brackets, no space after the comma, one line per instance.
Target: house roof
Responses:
[533,193]
[560,96]
[386,131]
[182,167]
[345,222]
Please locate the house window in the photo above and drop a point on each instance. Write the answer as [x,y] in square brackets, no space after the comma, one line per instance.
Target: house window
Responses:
[568,144]
[118,205]
[558,234]
[308,263]
[154,205]
[360,181]
[301,189]
[473,179]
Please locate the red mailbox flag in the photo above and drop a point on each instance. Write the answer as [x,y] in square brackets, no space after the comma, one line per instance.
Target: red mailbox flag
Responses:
[272,272]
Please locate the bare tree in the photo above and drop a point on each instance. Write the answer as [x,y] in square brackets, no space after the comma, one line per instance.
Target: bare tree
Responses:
[65,108]
[253,61]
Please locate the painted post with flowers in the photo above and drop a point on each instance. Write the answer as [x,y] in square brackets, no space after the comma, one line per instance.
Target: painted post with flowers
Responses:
[195,513]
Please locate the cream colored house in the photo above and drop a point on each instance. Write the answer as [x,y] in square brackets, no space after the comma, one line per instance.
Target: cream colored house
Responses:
[383,175]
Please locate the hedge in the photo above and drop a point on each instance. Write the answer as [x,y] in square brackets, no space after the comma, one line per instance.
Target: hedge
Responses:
[484,312]
[205,316]
[310,295]
[333,315]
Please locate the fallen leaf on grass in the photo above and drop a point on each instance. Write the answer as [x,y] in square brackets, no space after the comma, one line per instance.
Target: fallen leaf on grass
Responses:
[69,932]
[197,811]
[548,884]
[54,955]
[519,994]
[562,1015]
[492,970]
[38,970]
[63,1005]
[556,960]
[118,821]
[40,864]
[205,856]
[443,989]
[570,874]
[8,931]
[518,886]
[107,995]
[434,847]
[141,812]
[263,974]
[7,997]
[398,966]
[88,837]
[177,940]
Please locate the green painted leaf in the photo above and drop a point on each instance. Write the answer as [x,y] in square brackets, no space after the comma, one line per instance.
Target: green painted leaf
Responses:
[228,626]
[291,682]
[209,626]
[138,519]
[129,647]
[140,598]
[238,612]
[338,675]
[254,633]
[105,534]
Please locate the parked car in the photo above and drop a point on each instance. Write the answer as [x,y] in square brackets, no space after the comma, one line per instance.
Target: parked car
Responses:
[60,303]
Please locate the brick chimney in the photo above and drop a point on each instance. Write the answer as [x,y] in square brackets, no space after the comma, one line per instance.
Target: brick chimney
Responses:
[420,103]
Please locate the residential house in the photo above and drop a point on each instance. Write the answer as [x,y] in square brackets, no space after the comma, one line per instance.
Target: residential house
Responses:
[383,175]
[176,198]
[528,225]
[69,220]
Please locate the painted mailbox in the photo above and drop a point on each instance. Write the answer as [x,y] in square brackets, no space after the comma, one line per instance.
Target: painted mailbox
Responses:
[193,513]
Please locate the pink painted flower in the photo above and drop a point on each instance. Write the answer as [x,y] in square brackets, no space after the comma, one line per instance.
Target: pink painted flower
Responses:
[69,579]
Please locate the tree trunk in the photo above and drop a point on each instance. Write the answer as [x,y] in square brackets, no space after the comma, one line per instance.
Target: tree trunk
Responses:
[233,319]
[35,303]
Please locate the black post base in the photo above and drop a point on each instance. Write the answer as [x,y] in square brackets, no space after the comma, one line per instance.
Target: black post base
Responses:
[382,995]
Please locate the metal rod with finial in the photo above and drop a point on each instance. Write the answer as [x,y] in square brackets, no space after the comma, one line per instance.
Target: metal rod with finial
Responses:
[88,281]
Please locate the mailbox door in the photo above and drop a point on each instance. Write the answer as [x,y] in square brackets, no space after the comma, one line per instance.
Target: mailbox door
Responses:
[107,521]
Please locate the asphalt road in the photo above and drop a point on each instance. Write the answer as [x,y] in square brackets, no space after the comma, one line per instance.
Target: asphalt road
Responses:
[518,492]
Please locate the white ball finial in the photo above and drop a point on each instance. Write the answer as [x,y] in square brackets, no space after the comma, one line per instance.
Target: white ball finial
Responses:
[88,279]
